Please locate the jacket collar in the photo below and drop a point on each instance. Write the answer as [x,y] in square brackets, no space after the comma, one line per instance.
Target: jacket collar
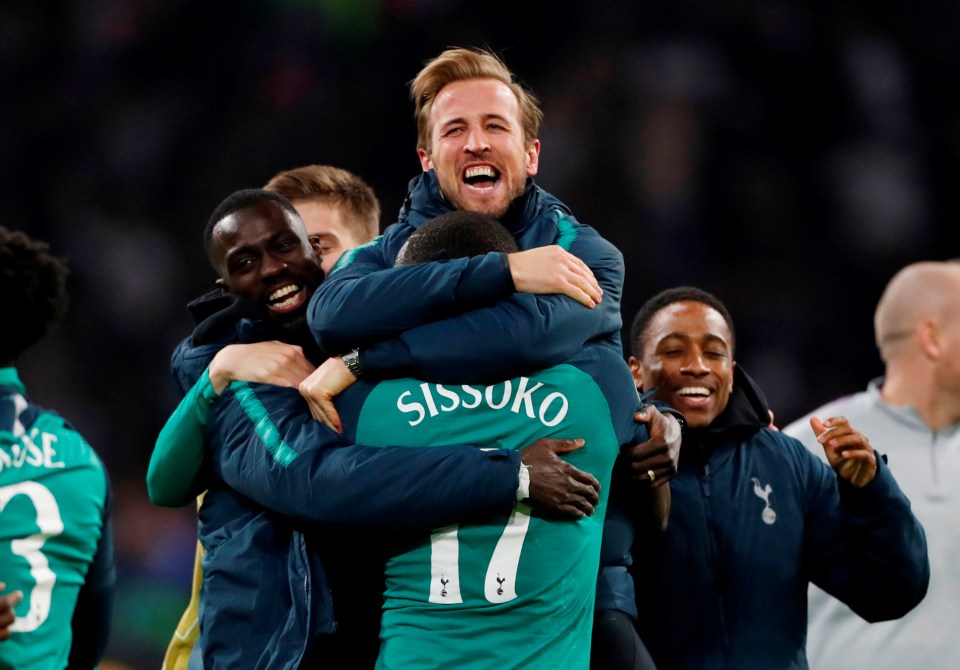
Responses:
[745,413]
[424,201]
[221,316]
[215,314]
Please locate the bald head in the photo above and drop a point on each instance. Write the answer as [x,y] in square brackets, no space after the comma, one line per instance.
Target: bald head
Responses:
[926,291]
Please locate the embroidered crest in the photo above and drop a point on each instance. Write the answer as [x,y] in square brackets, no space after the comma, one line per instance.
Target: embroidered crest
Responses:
[763,492]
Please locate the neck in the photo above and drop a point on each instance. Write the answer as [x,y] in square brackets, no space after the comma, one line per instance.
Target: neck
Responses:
[916,386]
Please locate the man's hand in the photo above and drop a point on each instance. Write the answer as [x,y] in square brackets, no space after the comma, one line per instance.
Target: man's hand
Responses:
[551,269]
[7,602]
[848,451]
[557,489]
[655,461]
[320,388]
[264,363]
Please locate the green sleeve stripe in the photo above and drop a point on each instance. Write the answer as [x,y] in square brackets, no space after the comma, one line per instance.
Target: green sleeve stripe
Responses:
[263,425]
[346,258]
[567,232]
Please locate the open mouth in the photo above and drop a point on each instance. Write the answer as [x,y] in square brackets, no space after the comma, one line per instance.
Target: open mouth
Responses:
[693,395]
[481,177]
[287,298]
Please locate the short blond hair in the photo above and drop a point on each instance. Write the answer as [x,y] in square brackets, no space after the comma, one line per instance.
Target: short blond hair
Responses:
[337,187]
[458,64]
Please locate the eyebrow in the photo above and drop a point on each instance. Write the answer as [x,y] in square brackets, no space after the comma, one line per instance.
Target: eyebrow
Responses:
[483,117]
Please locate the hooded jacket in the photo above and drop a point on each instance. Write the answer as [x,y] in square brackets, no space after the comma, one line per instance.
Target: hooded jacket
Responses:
[754,518]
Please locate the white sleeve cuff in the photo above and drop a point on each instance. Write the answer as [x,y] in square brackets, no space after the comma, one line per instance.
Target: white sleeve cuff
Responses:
[523,491]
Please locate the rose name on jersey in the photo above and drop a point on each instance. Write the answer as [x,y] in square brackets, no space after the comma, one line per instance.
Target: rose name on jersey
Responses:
[516,395]
[35,448]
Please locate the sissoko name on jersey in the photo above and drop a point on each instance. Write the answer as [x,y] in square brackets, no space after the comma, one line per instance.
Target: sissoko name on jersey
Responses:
[550,407]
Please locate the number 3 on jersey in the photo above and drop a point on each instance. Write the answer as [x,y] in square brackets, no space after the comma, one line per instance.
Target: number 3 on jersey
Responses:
[499,585]
[50,524]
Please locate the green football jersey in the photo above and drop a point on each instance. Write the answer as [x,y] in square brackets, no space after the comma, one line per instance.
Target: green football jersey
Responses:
[513,591]
[52,497]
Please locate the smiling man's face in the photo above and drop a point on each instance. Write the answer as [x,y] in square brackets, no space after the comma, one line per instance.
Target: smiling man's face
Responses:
[688,357]
[477,148]
[262,254]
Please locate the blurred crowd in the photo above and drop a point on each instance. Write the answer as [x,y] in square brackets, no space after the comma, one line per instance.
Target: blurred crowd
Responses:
[788,156]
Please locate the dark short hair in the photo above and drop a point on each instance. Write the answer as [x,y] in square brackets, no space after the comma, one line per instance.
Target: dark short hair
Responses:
[456,234]
[638,331]
[33,292]
[234,203]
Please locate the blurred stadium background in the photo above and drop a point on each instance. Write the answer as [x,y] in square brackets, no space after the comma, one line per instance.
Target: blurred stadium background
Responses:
[787,155]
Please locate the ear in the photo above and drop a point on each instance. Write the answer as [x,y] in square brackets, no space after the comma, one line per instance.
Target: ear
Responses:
[222,285]
[533,158]
[425,161]
[930,336]
[636,369]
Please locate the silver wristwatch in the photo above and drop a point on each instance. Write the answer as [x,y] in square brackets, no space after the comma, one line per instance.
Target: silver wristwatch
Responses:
[352,360]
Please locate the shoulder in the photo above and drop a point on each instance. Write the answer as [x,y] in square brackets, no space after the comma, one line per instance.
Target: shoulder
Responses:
[584,241]
[777,445]
[58,445]
[381,251]
[189,360]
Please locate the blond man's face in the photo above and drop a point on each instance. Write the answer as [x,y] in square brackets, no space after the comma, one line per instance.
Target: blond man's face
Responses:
[477,147]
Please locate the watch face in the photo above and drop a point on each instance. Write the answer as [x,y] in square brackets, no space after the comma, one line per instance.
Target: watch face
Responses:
[352,361]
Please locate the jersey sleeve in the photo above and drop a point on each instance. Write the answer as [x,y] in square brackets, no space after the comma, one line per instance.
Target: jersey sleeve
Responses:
[864,545]
[178,455]
[267,447]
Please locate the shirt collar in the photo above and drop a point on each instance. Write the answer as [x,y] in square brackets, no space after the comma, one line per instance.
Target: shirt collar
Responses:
[904,414]
[9,377]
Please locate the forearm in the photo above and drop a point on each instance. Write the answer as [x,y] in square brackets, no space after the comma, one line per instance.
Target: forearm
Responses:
[395,300]
[403,487]
[879,567]
[267,447]
[520,334]
[179,451]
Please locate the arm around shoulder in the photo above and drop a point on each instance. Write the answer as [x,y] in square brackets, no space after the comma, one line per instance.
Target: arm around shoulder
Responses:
[266,446]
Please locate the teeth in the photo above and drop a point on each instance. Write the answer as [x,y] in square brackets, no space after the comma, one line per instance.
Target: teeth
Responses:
[289,302]
[479,171]
[281,292]
[693,390]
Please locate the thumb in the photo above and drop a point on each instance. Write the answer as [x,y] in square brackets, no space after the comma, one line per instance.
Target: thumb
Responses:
[643,415]
[817,425]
